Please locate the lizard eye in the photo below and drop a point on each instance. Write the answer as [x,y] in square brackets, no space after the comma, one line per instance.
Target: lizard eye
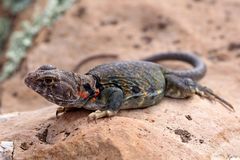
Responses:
[48,81]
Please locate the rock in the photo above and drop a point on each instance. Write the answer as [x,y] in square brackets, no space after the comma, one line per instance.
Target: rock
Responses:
[150,133]
[6,150]
[174,129]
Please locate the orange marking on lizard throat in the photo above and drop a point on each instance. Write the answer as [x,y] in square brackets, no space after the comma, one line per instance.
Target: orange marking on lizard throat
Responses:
[83,94]
[97,92]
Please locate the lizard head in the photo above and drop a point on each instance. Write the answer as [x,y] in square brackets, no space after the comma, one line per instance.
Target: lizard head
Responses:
[57,86]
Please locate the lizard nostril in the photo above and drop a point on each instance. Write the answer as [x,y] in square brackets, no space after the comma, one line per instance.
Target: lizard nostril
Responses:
[27,81]
[29,78]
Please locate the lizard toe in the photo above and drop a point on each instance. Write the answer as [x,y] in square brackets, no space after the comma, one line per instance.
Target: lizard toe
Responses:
[60,110]
[100,114]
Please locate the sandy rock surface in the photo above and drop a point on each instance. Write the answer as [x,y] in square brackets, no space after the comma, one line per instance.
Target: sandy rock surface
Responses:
[153,133]
[174,129]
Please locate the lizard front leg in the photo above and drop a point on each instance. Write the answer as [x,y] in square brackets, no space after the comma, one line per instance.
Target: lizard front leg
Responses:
[64,110]
[113,98]
[180,87]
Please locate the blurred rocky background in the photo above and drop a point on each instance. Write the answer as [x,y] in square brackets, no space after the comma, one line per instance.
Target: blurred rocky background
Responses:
[64,32]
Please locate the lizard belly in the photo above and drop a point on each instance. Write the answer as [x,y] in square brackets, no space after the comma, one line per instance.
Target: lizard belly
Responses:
[94,106]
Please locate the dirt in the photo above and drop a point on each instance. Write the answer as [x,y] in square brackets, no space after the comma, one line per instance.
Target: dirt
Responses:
[184,135]
[188,117]
[234,46]
[42,135]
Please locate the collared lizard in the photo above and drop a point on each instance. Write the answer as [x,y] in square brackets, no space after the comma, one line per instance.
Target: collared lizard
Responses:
[107,88]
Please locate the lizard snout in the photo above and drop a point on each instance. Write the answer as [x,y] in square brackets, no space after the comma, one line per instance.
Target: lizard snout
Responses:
[28,78]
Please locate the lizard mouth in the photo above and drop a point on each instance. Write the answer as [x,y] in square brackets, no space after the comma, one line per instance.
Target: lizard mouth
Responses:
[59,100]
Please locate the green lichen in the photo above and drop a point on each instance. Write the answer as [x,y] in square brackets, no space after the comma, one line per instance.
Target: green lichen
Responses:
[15,6]
[4,30]
[21,40]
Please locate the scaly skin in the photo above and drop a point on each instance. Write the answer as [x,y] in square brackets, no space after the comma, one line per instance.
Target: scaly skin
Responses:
[107,88]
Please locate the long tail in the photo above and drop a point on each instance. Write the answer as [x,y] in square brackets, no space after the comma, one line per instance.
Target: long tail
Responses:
[93,57]
[195,73]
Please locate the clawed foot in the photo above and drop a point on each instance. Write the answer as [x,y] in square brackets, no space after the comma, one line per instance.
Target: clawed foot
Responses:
[210,95]
[60,110]
[203,92]
[180,87]
[100,114]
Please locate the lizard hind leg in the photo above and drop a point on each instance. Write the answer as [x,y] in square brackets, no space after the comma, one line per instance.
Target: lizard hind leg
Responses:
[182,87]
